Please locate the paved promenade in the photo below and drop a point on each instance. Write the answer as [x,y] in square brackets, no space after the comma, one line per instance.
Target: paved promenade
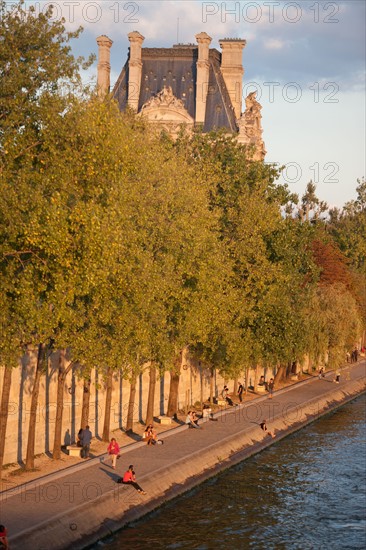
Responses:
[61,510]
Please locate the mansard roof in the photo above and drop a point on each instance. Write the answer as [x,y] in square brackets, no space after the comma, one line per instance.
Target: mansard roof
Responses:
[177,67]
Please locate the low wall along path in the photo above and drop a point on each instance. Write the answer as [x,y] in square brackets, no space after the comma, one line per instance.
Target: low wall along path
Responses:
[80,505]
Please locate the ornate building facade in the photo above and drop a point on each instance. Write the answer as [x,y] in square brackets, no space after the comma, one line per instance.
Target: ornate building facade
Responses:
[188,84]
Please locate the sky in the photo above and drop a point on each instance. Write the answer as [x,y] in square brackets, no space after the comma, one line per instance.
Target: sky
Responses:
[306,60]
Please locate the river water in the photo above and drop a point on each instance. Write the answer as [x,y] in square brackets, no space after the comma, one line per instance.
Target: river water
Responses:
[307,491]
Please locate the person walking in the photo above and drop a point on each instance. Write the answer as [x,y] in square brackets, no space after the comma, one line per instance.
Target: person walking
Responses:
[270,388]
[129,478]
[113,451]
[240,392]
[85,439]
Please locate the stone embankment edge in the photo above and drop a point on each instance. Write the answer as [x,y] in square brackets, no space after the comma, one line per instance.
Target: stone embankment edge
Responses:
[123,505]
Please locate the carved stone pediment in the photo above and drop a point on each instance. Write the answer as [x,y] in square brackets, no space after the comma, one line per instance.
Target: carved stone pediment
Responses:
[167,111]
[166,106]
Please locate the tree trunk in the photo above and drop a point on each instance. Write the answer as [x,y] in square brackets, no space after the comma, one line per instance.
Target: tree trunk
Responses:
[29,461]
[246,380]
[288,370]
[131,405]
[201,386]
[235,390]
[173,390]
[4,411]
[86,403]
[151,398]
[212,382]
[108,404]
[62,373]
[256,377]
[279,374]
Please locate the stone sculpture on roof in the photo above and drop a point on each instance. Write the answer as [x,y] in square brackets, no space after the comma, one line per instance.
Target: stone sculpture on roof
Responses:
[250,127]
[186,85]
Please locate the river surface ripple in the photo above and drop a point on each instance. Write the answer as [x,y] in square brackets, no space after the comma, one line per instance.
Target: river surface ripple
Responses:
[307,491]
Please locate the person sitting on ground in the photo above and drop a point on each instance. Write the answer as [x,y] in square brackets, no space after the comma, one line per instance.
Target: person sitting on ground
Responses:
[129,478]
[263,425]
[150,436]
[191,420]
[4,545]
[207,413]
[113,451]
[225,395]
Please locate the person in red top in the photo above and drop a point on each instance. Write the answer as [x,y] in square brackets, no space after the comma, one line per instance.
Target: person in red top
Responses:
[113,451]
[3,538]
[129,478]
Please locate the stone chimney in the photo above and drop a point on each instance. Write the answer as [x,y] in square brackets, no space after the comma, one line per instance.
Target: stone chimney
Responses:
[134,69]
[104,65]
[232,69]
[203,70]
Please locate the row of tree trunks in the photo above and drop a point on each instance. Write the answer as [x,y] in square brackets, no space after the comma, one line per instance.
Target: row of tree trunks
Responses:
[5,396]
[63,371]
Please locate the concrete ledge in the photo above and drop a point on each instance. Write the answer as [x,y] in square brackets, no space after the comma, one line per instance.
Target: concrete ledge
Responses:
[73,450]
[164,420]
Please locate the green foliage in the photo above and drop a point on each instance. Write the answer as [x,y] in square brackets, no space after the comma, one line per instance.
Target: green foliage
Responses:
[126,247]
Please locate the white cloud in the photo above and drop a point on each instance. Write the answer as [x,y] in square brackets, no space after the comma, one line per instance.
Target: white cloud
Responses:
[275,44]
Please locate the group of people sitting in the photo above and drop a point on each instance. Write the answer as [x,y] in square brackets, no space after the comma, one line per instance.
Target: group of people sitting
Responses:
[150,436]
[192,420]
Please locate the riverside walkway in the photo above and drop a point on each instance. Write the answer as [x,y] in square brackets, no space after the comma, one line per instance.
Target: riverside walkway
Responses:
[74,507]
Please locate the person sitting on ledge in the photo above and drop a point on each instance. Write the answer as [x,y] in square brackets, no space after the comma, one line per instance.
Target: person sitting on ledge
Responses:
[191,420]
[150,435]
[263,426]
[4,545]
[129,478]
[225,395]
[207,413]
